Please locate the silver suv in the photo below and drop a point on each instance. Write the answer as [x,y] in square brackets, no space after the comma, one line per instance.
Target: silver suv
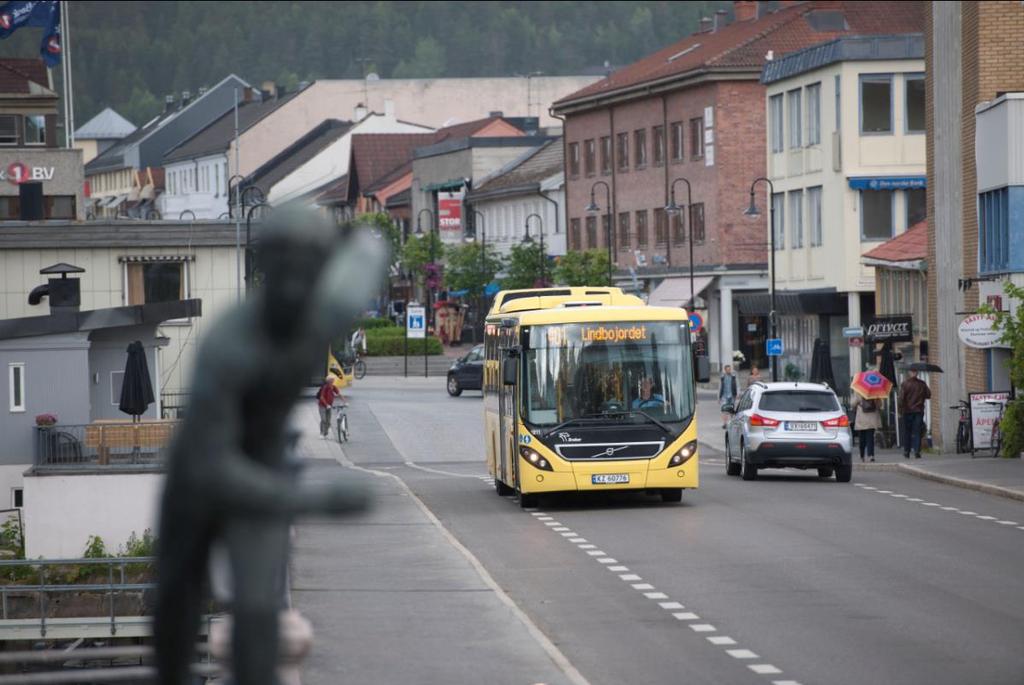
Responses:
[789,425]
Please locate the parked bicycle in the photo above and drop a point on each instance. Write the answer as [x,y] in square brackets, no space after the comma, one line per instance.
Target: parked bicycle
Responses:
[341,430]
[996,443]
[964,438]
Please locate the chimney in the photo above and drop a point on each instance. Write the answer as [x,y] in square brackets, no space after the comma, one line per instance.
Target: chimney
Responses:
[360,112]
[495,113]
[65,293]
[705,24]
[186,97]
[268,86]
[745,10]
[202,90]
[168,103]
[721,20]
[389,109]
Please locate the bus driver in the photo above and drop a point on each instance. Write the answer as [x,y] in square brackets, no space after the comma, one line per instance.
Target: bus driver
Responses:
[648,399]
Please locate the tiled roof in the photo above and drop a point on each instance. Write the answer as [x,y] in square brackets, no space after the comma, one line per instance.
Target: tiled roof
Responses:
[297,154]
[217,136]
[911,245]
[402,199]
[19,75]
[389,178]
[743,45]
[540,164]
[107,125]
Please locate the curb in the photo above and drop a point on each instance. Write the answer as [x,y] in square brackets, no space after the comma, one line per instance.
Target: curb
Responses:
[960,482]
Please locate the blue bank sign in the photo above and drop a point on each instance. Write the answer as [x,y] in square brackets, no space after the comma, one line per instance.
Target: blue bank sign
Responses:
[888,182]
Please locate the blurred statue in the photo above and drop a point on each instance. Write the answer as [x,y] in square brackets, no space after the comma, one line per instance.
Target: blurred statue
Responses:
[229,478]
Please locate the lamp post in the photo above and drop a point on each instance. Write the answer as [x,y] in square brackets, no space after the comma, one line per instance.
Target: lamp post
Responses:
[527,240]
[672,208]
[419,232]
[752,210]
[592,207]
[248,241]
[483,270]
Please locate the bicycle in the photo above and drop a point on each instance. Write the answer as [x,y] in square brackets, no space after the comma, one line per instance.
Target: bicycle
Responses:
[996,442]
[359,367]
[341,430]
[963,428]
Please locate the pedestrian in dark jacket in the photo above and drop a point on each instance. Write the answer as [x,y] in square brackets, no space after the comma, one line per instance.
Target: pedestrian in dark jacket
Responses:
[727,392]
[913,394]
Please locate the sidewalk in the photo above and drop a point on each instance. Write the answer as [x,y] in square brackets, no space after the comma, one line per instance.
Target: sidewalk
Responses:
[1002,477]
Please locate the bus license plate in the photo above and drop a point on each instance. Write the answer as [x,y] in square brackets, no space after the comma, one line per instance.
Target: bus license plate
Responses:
[609,478]
[802,426]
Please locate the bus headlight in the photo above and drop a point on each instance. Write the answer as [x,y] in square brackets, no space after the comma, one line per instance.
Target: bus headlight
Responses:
[684,455]
[535,459]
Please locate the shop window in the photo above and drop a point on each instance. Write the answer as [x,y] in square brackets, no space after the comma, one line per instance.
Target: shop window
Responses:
[876,103]
[914,97]
[60,207]
[876,215]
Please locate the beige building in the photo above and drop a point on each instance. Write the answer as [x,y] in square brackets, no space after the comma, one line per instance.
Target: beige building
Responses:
[100,133]
[846,157]
[430,102]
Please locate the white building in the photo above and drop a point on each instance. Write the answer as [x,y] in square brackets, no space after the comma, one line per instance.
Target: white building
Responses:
[846,157]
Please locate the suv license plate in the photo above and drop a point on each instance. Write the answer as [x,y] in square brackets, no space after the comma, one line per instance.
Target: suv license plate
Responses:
[606,478]
[802,426]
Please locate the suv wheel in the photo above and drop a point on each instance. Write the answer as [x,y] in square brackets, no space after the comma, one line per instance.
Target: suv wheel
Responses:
[824,472]
[731,469]
[844,473]
[747,470]
[453,386]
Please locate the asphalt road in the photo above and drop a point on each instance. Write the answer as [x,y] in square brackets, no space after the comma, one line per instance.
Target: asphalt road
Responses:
[787,579]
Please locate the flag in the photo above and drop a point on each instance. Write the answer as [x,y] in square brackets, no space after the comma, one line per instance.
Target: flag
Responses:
[46,15]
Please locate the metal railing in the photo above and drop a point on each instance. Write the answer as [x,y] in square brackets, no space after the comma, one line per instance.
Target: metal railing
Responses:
[103,445]
[95,664]
[172,405]
[50,576]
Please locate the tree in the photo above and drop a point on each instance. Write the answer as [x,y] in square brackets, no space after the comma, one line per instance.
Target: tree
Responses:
[583,268]
[428,61]
[471,268]
[416,254]
[1011,324]
[383,225]
[523,269]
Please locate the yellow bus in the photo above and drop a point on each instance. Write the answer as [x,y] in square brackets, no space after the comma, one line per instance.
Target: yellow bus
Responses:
[589,389]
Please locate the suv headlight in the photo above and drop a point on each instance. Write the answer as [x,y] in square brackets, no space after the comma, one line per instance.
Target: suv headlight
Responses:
[688,451]
[535,459]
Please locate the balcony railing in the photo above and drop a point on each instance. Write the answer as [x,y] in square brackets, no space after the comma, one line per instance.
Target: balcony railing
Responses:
[106,444]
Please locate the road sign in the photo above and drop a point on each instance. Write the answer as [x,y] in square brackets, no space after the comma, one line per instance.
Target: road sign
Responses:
[416,321]
[856,342]
[774,347]
[853,332]
[696,322]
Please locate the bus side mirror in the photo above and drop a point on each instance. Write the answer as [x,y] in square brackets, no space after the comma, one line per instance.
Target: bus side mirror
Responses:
[508,371]
[702,369]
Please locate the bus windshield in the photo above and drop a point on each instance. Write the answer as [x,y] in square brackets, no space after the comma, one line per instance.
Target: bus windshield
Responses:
[635,371]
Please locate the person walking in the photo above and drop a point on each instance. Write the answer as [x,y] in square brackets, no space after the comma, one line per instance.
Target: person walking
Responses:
[727,392]
[755,375]
[867,419]
[913,394]
[325,400]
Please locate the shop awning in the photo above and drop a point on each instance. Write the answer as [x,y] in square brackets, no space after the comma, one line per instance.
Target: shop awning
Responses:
[449,185]
[675,292]
[793,302]
[116,202]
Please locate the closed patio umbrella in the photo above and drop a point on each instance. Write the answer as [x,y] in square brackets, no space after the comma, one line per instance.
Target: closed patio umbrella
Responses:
[136,388]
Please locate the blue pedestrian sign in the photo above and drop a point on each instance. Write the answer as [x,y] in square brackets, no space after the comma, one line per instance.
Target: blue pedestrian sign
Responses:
[416,325]
[774,347]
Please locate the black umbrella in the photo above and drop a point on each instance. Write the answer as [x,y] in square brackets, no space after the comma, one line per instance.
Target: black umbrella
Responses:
[136,388]
[924,366]
[886,364]
[821,364]
[815,374]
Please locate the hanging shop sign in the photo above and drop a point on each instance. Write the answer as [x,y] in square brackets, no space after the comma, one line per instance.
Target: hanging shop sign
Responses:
[891,329]
[449,215]
[888,182]
[979,331]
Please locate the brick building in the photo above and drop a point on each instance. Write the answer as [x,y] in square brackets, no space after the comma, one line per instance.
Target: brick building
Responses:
[978,48]
[696,109]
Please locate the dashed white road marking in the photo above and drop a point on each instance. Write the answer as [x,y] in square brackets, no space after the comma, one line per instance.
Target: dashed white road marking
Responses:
[702,627]
[969,513]
[560,529]
[567,534]
[655,595]
[670,605]
[577,540]
[587,546]
[987,518]
[925,503]
[763,669]
[552,523]
[785,682]
[721,640]
[595,552]
[686,616]
[607,560]
[914,499]
[950,509]
[630,577]
[896,494]
[642,586]
[741,654]
[1007,523]
[616,569]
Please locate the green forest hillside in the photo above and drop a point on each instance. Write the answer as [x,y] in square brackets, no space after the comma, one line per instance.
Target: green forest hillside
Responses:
[129,55]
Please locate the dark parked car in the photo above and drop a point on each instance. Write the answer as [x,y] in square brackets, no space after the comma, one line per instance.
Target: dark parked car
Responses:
[467,373]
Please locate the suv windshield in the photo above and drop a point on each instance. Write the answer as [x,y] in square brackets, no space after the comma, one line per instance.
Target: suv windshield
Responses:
[798,401]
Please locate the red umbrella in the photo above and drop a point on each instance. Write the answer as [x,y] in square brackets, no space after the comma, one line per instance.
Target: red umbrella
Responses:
[871,385]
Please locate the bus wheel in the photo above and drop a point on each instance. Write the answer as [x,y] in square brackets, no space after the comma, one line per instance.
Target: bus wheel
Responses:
[502,489]
[672,495]
[527,501]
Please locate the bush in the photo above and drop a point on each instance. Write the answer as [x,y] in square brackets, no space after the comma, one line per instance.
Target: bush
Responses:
[95,548]
[373,324]
[394,346]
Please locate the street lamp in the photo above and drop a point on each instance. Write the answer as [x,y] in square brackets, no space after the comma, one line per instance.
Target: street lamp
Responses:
[672,208]
[248,240]
[527,240]
[752,210]
[483,268]
[419,233]
[592,207]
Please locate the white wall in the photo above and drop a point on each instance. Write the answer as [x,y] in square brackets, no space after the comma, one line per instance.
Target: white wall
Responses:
[199,185]
[61,512]
[504,219]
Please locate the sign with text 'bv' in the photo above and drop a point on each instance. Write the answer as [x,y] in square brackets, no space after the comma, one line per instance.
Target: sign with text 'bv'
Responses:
[416,321]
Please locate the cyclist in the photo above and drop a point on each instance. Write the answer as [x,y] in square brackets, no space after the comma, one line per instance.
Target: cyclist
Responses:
[325,397]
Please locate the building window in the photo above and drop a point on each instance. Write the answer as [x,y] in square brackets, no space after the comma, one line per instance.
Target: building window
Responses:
[624,229]
[16,386]
[994,230]
[606,154]
[35,129]
[914,100]
[641,228]
[814,114]
[697,222]
[574,159]
[606,229]
[839,98]
[17,498]
[574,234]
[640,148]
[678,228]
[591,232]
[697,138]
[917,205]
[779,214]
[876,103]
[677,140]
[8,129]
[876,214]
[622,152]
[795,121]
[796,219]
[157,281]
[60,207]
[589,157]
[659,144]
[775,122]
[814,215]
[660,226]
[10,208]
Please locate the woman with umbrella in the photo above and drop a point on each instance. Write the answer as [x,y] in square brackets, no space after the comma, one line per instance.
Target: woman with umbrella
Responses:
[869,388]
